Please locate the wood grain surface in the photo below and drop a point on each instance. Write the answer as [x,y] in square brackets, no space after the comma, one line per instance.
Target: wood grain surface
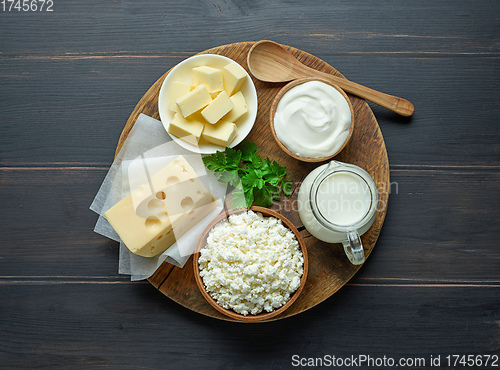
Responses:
[69,80]
[329,267]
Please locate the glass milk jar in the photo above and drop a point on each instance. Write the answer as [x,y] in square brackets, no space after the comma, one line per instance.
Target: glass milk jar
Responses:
[337,203]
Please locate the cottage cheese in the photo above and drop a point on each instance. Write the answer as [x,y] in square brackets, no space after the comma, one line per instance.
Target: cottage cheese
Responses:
[251,263]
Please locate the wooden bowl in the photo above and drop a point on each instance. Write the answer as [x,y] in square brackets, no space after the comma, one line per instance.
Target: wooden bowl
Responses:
[228,312]
[274,106]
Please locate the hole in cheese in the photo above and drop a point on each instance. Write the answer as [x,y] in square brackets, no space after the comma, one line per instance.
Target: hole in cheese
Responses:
[161,195]
[187,203]
[156,205]
[152,222]
[172,180]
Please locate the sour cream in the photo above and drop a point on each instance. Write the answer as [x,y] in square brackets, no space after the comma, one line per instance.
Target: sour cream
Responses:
[313,120]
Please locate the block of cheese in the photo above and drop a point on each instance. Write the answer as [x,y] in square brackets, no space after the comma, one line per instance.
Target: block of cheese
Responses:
[194,100]
[187,129]
[153,216]
[239,107]
[176,90]
[218,108]
[208,76]
[187,203]
[233,76]
[222,133]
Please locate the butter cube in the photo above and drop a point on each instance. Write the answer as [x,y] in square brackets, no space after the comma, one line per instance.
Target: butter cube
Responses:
[187,129]
[208,76]
[218,108]
[152,217]
[194,100]
[239,107]
[175,91]
[233,76]
[222,133]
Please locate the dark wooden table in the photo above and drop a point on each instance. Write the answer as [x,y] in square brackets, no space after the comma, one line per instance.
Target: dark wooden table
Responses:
[70,78]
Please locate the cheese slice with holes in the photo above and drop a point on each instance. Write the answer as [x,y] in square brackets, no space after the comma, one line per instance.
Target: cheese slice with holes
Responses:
[151,218]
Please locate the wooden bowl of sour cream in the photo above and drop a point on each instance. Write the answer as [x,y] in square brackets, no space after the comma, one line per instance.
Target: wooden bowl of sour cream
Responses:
[243,275]
[311,119]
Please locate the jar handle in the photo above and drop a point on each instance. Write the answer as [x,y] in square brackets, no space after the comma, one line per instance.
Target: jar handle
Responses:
[354,248]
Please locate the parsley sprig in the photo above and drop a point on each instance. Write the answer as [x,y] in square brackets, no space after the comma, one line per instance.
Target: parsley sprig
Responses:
[255,180]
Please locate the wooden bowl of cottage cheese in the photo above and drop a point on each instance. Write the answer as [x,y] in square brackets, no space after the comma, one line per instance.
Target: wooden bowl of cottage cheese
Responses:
[250,264]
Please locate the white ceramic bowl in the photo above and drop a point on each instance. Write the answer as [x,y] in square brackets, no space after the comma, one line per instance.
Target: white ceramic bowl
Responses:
[182,72]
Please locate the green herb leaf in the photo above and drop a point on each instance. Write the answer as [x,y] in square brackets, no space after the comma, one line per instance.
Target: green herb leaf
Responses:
[233,157]
[248,150]
[286,187]
[262,197]
[249,197]
[231,177]
[255,180]
[278,169]
[239,200]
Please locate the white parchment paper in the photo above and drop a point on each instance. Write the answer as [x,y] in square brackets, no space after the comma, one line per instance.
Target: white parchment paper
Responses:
[148,146]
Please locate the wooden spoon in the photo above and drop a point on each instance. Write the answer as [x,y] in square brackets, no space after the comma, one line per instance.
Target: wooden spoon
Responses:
[269,61]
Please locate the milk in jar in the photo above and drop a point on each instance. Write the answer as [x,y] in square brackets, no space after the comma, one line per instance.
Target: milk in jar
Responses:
[338,202]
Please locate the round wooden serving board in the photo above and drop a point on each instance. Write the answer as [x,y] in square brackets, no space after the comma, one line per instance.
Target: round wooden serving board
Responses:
[329,268]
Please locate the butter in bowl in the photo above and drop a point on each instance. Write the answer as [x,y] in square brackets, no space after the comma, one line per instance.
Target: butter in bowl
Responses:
[207,102]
